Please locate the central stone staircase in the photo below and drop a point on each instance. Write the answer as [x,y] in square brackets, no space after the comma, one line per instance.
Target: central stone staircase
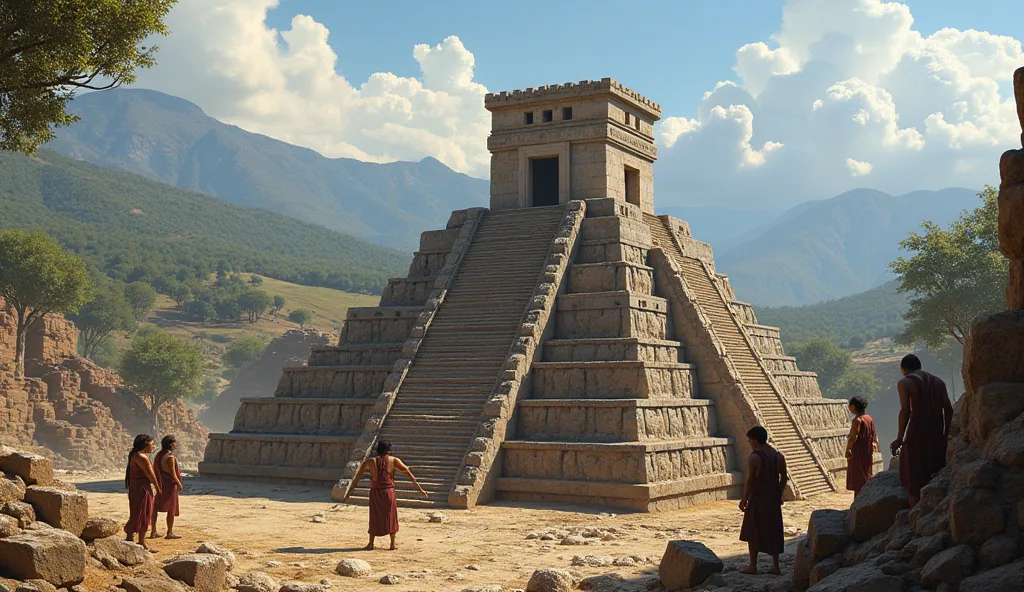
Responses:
[808,474]
[439,404]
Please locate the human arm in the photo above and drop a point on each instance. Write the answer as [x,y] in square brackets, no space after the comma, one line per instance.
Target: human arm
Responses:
[401,466]
[355,481]
[173,466]
[904,391]
[147,467]
[851,439]
[783,472]
[947,409]
[753,466]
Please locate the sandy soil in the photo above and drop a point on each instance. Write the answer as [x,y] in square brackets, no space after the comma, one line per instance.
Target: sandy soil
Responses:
[271,528]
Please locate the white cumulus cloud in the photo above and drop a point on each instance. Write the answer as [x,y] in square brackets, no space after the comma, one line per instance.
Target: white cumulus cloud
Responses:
[844,77]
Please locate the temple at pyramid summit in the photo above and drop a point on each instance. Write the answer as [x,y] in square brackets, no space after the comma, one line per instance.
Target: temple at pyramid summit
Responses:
[566,344]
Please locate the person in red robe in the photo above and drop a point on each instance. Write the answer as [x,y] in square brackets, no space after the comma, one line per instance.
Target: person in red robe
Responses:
[166,466]
[383,505]
[861,446]
[925,417]
[143,487]
[761,505]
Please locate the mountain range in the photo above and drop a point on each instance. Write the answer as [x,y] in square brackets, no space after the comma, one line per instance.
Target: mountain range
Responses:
[173,141]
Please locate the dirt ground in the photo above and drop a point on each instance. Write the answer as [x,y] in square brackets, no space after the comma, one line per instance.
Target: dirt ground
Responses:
[271,528]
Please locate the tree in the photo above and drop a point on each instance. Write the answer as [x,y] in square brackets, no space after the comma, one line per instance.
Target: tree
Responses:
[856,383]
[199,310]
[38,277]
[300,316]
[255,280]
[254,303]
[954,275]
[278,304]
[243,351]
[162,368]
[141,298]
[950,356]
[180,293]
[108,311]
[824,357]
[49,50]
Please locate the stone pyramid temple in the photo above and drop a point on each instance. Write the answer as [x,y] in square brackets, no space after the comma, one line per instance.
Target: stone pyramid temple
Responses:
[565,345]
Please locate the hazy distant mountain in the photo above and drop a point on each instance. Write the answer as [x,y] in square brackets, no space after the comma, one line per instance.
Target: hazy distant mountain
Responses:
[833,248]
[723,227]
[171,140]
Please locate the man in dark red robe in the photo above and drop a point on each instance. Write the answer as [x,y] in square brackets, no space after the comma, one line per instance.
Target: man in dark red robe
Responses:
[762,501]
[925,416]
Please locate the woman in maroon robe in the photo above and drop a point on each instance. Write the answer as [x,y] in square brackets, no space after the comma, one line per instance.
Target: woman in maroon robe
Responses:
[383,505]
[170,484]
[141,481]
[761,505]
[861,446]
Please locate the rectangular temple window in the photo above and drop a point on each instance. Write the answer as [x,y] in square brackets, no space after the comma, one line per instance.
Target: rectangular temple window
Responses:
[528,118]
[637,122]
[632,185]
[549,116]
[566,113]
[626,117]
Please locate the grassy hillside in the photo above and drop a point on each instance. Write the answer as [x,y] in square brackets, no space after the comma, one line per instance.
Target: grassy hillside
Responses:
[133,228]
[869,316]
[171,140]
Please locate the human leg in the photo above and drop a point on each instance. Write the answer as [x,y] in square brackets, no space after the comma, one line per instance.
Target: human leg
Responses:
[170,527]
[393,546]
[775,570]
[752,550]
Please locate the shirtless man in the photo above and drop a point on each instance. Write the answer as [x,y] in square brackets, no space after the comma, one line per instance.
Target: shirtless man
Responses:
[925,416]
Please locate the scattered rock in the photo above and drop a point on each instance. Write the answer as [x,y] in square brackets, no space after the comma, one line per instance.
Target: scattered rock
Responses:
[951,566]
[574,540]
[603,583]
[35,586]
[975,516]
[827,533]
[353,568]
[999,550]
[1007,577]
[319,518]
[215,549]
[624,562]
[859,578]
[21,511]
[551,580]
[202,571]
[257,581]
[473,567]
[231,581]
[875,507]
[150,584]
[437,517]
[548,537]
[32,468]
[302,587]
[802,566]
[491,588]
[52,555]
[824,569]
[99,528]
[920,551]
[687,564]
[273,564]
[532,536]
[8,526]
[391,579]
[124,552]
[67,510]
[12,489]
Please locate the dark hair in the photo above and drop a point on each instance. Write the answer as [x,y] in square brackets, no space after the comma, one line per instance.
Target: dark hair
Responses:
[910,363]
[383,447]
[759,434]
[165,444]
[141,441]
[859,403]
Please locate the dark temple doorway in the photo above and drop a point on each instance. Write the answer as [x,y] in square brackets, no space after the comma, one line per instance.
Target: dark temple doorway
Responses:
[544,181]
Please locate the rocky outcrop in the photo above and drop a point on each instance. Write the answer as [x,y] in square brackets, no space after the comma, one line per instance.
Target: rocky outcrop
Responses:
[259,379]
[74,408]
[966,532]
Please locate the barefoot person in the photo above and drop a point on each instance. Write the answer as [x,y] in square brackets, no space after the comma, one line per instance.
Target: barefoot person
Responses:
[925,416]
[861,446]
[383,506]
[141,481]
[762,501]
[166,466]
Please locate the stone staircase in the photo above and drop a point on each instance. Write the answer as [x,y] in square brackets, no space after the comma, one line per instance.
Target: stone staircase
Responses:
[809,476]
[438,406]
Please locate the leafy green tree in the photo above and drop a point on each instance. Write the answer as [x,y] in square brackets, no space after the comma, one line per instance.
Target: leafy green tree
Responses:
[278,304]
[199,311]
[855,383]
[226,308]
[141,298]
[211,389]
[180,294]
[254,303]
[954,275]
[108,311]
[162,368]
[243,351]
[824,357]
[255,280]
[38,277]
[300,316]
[49,50]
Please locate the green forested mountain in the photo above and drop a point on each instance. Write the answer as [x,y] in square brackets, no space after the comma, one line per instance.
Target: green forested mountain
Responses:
[833,248]
[173,141]
[862,317]
[133,228]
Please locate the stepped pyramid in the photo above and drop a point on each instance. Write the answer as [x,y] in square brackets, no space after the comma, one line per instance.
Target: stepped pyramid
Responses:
[564,345]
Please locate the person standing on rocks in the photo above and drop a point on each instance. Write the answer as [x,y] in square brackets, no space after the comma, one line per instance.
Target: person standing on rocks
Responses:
[761,505]
[141,482]
[925,417]
[861,446]
[166,466]
[383,504]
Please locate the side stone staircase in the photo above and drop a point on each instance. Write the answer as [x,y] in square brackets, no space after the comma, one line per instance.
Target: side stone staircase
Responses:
[807,470]
[438,406]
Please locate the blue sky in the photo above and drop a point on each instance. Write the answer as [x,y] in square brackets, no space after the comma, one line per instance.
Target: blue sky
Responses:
[672,51]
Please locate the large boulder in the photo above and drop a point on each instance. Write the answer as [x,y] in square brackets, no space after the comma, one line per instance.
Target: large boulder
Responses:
[202,571]
[12,488]
[214,549]
[859,578]
[8,526]
[802,566]
[99,528]
[32,468]
[125,552]
[827,533]
[998,551]
[951,566]
[875,507]
[992,405]
[53,555]
[1007,577]
[992,354]
[353,568]
[22,512]
[975,515]
[68,510]
[687,564]
[151,584]
[257,581]
[551,580]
